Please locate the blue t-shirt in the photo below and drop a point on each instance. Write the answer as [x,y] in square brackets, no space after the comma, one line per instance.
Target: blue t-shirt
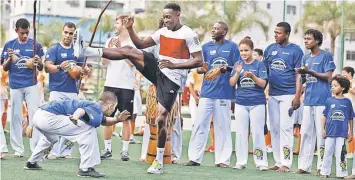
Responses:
[281,62]
[19,75]
[248,92]
[317,91]
[217,55]
[61,81]
[338,113]
[93,111]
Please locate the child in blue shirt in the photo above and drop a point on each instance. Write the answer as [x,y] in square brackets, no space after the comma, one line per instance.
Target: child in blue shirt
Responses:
[337,122]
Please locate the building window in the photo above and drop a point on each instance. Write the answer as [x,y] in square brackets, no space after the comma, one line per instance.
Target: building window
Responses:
[93,4]
[73,3]
[268,6]
[350,55]
[291,10]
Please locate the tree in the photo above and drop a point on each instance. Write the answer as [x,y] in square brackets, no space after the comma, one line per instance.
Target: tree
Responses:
[241,15]
[50,33]
[106,24]
[326,17]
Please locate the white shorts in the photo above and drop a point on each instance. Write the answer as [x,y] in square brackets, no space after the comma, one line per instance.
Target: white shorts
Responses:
[137,103]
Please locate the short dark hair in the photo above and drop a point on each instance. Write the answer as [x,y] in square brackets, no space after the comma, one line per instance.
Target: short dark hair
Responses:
[108,97]
[343,82]
[317,35]
[286,26]
[225,25]
[69,25]
[349,69]
[259,51]
[173,6]
[22,23]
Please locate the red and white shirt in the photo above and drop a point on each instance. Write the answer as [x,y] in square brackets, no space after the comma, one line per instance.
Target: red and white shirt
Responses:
[176,46]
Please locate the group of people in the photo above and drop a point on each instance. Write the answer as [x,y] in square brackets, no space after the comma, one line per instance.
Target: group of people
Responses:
[164,58]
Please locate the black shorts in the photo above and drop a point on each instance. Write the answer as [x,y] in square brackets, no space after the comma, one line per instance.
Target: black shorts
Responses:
[125,99]
[167,90]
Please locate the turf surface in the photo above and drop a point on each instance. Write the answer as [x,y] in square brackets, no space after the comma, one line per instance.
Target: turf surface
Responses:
[12,168]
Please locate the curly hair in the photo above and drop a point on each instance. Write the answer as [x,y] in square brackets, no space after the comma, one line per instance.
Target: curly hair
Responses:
[317,35]
[343,82]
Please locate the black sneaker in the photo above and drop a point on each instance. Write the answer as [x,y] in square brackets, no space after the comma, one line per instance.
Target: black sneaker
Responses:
[90,173]
[106,155]
[192,163]
[30,166]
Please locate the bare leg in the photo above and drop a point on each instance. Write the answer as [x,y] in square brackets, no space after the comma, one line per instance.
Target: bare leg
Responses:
[162,126]
[136,56]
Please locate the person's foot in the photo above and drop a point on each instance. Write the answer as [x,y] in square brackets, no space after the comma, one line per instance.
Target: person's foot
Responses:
[300,171]
[141,160]
[324,176]
[155,168]
[106,154]
[67,156]
[32,166]
[175,160]
[2,155]
[210,149]
[91,172]
[221,165]
[350,177]
[78,43]
[273,168]
[349,155]
[192,163]
[318,172]
[269,149]
[133,141]
[263,168]
[239,166]
[296,152]
[51,156]
[16,155]
[283,169]
[124,156]
[115,134]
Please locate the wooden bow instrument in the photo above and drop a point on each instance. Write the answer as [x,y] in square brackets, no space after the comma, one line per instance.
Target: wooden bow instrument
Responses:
[92,37]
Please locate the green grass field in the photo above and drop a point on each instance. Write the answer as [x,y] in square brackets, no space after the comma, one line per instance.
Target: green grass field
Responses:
[12,168]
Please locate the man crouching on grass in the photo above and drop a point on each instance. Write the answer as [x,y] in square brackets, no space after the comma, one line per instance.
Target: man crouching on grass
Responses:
[75,120]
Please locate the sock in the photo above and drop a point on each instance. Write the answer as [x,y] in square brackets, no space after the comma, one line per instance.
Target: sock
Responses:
[93,52]
[125,145]
[108,144]
[131,137]
[160,155]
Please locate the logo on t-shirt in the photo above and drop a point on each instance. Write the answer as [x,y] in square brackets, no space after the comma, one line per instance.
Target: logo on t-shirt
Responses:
[21,62]
[338,115]
[278,64]
[247,82]
[311,79]
[219,62]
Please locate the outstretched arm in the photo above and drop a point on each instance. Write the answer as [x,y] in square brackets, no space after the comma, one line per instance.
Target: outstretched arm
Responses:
[109,121]
[138,42]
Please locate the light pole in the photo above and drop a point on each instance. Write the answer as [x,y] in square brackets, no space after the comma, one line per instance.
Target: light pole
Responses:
[284,12]
[341,62]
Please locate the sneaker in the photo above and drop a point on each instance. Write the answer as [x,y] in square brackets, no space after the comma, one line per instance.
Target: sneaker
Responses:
[269,149]
[349,156]
[17,155]
[51,156]
[239,166]
[155,168]
[263,168]
[192,163]
[30,166]
[124,156]
[90,173]
[175,160]
[115,134]
[106,154]
[67,156]
[78,44]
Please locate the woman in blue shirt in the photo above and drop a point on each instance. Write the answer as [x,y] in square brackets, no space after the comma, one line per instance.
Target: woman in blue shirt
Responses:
[250,78]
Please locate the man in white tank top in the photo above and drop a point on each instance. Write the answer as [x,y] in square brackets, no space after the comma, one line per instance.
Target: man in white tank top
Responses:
[119,80]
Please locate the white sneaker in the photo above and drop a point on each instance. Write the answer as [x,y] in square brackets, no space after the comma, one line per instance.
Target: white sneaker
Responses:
[78,44]
[155,168]
[350,156]
[269,149]
[263,168]
[239,166]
